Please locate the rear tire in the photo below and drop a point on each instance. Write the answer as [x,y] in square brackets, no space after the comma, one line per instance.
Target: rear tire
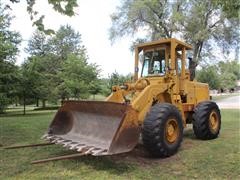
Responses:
[206,120]
[162,130]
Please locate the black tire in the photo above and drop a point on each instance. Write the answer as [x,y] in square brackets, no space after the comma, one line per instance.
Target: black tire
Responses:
[155,135]
[206,120]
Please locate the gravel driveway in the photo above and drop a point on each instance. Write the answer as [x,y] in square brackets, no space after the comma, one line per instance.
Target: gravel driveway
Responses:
[229,102]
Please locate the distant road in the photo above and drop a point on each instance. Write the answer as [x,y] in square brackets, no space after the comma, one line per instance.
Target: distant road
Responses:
[229,102]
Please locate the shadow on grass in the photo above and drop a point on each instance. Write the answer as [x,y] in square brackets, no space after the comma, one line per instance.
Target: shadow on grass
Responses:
[104,163]
[115,164]
[99,163]
[189,134]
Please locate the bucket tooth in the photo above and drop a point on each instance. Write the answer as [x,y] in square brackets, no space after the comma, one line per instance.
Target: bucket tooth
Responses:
[98,151]
[50,137]
[79,149]
[89,150]
[61,141]
[44,136]
[74,146]
[56,139]
[67,144]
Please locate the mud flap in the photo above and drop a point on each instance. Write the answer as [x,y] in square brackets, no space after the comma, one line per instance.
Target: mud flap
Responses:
[94,127]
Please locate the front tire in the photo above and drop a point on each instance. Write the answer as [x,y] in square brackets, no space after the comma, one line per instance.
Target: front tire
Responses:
[206,120]
[162,130]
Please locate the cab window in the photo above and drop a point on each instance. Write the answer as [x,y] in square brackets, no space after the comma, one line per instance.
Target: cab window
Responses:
[154,63]
[179,65]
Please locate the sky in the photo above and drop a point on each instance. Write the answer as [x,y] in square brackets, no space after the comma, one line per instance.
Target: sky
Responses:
[92,22]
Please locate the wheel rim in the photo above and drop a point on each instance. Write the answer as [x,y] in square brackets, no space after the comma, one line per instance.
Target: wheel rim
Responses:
[171,130]
[213,121]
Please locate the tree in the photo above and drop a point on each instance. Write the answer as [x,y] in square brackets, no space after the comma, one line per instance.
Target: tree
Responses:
[38,44]
[36,81]
[154,16]
[204,24]
[78,76]
[95,88]
[105,88]
[230,73]
[222,75]
[47,56]
[209,75]
[198,22]
[230,7]
[8,81]
[117,79]
[66,41]
[44,64]
[231,67]
[9,41]
[65,7]
[28,83]
[59,66]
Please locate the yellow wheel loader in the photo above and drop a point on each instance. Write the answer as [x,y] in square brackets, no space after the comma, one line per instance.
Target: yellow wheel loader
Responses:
[160,102]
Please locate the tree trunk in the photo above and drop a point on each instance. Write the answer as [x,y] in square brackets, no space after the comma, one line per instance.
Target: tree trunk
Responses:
[24,103]
[193,62]
[62,100]
[43,103]
[192,68]
[37,102]
[16,101]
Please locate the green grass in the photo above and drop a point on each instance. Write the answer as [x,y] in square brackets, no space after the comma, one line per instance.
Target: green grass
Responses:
[196,159]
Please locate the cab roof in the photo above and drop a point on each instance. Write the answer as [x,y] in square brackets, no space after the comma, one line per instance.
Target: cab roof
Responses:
[180,44]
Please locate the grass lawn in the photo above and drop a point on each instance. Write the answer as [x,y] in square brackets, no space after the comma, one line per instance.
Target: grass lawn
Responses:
[196,159]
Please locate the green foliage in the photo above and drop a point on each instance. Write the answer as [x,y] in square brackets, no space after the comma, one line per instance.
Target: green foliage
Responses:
[65,7]
[228,80]
[229,73]
[38,44]
[209,75]
[230,7]
[113,79]
[35,79]
[9,79]
[153,15]
[66,41]
[117,79]
[230,66]
[78,77]
[105,87]
[4,101]
[223,75]
[95,87]
[57,67]
[9,41]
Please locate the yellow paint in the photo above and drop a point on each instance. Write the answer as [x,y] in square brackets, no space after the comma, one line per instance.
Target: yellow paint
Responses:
[174,87]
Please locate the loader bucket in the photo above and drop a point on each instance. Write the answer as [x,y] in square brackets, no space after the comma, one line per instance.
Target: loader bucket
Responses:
[94,127]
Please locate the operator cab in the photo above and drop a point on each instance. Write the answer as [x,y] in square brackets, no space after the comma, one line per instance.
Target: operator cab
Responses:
[160,57]
[154,63]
